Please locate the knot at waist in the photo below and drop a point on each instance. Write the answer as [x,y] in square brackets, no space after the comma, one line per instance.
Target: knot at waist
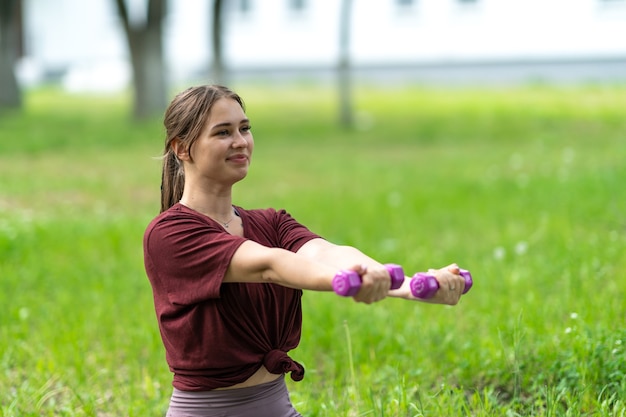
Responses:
[278,362]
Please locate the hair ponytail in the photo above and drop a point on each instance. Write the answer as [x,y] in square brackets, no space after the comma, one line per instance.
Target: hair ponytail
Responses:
[172,180]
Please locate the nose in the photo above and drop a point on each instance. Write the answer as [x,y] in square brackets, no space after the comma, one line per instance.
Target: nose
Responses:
[240,140]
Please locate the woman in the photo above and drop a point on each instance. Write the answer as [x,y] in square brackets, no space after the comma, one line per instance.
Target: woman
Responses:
[227,281]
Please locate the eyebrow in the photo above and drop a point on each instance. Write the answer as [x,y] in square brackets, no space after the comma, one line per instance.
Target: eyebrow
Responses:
[228,124]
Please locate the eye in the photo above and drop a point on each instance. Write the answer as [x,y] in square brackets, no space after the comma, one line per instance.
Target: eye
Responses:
[223,133]
[246,128]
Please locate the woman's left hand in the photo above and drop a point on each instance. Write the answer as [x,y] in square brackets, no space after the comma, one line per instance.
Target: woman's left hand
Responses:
[451,286]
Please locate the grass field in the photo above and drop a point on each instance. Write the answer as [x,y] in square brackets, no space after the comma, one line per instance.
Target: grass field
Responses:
[524,187]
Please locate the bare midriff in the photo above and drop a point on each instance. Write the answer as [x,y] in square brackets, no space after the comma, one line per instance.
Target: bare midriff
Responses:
[259,377]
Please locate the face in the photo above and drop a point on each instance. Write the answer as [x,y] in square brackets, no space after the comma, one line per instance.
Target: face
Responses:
[223,151]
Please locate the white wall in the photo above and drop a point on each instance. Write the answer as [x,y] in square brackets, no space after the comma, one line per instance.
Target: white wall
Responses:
[86,38]
[433,30]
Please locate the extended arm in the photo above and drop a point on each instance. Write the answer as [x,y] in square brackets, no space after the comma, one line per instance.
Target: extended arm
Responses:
[253,262]
[342,256]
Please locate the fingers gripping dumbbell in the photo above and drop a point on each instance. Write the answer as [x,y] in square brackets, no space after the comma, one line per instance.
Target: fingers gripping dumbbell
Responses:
[347,283]
[424,285]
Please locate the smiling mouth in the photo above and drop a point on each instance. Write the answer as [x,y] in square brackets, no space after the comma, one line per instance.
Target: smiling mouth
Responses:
[238,158]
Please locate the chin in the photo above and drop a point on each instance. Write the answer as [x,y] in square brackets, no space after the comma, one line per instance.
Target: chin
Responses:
[241,176]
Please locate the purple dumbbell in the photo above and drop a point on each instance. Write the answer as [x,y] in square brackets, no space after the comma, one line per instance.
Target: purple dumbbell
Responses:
[424,285]
[347,283]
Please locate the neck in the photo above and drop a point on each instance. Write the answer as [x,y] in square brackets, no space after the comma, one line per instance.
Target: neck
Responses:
[225,218]
[221,212]
[213,204]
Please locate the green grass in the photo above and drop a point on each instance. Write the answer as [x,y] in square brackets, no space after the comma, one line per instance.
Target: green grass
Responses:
[522,186]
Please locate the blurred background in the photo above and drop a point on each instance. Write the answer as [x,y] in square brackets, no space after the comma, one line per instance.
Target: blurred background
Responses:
[102,45]
[486,132]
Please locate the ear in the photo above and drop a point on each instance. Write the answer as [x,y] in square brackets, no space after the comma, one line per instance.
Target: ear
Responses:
[180,150]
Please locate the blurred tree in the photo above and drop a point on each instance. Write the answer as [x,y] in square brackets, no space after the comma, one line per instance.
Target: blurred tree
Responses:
[10,23]
[145,43]
[346,117]
[216,41]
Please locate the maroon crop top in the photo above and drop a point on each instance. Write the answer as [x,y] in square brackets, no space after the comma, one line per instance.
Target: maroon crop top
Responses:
[217,335]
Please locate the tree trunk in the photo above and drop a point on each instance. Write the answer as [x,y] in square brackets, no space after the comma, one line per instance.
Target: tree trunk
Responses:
[10,94]
[217,67]
[149,84]
[346,117]
[145,44]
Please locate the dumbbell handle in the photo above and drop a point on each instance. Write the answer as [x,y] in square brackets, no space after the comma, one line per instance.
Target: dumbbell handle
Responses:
[347,283]
[424,285]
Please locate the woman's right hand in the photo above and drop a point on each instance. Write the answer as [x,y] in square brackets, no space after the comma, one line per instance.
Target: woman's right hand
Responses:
[375,283]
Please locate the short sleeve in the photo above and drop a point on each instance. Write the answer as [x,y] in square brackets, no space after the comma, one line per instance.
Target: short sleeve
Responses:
[277,228]
[187,257]
[292,234]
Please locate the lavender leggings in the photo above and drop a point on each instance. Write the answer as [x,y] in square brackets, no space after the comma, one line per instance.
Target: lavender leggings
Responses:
[264,400]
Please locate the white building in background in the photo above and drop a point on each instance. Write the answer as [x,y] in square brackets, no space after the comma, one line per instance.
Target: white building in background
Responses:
[430,41]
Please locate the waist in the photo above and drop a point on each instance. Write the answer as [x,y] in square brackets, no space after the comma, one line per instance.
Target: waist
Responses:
[261,376]
[270,399]
[274,364]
